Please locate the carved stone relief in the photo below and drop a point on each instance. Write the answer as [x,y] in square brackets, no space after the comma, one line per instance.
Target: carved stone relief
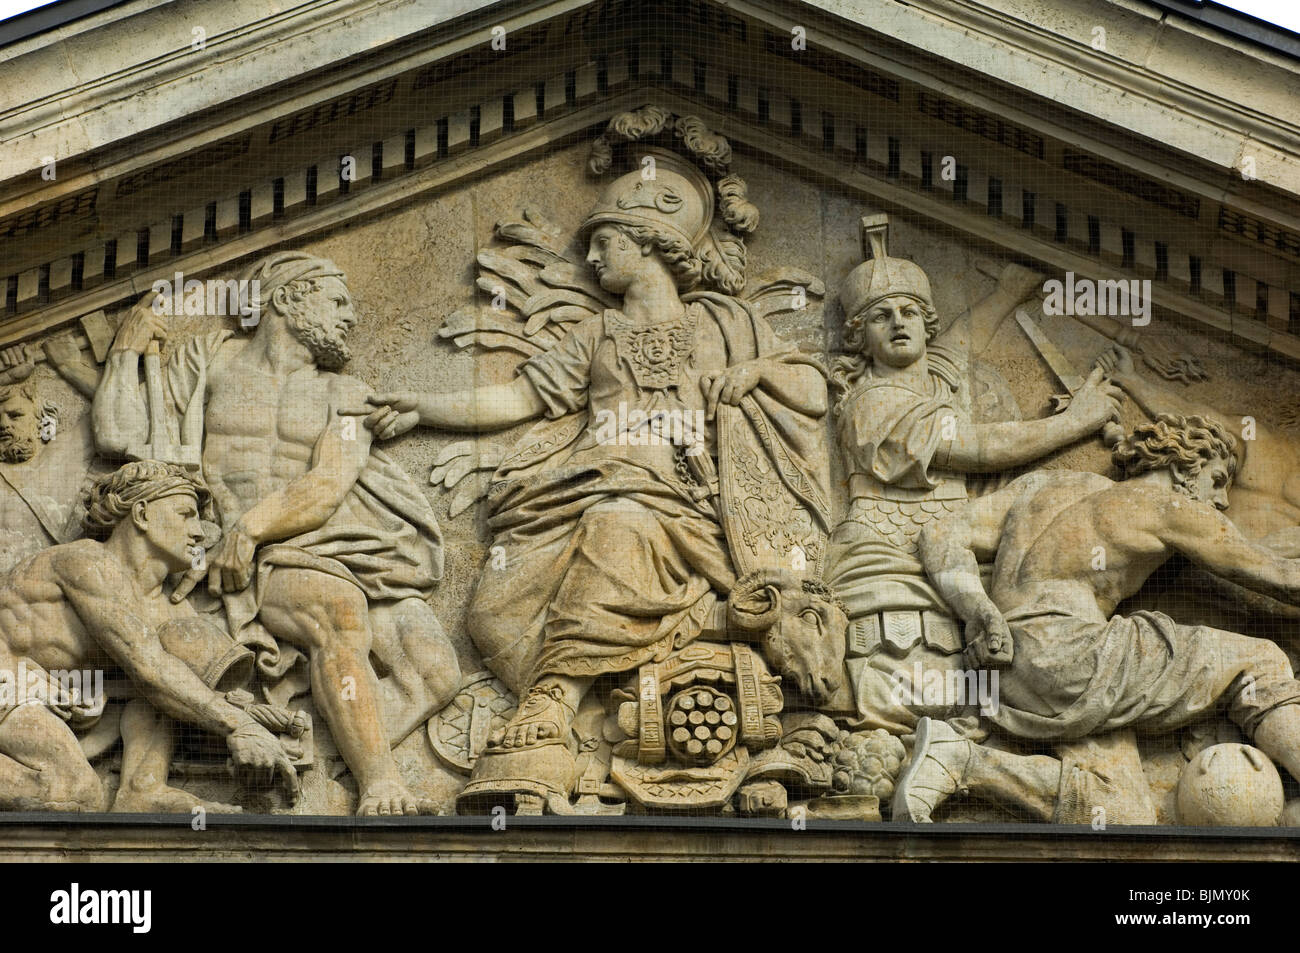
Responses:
[592,487]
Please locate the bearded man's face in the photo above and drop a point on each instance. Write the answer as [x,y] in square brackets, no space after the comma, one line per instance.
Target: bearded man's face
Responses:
[323,323]
[20,430]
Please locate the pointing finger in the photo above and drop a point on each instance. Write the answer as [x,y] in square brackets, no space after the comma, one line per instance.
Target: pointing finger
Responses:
[187,584]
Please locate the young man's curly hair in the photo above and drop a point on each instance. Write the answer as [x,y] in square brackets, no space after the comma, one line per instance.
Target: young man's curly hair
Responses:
[1189,442]
[109,500]
[855,333]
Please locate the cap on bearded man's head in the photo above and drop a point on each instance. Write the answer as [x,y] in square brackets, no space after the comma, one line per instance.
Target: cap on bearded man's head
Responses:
[283,268]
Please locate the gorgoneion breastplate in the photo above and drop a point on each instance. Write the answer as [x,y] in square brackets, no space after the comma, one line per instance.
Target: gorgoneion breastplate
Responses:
[654,353]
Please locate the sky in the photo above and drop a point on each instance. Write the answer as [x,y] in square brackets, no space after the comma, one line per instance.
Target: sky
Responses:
[1285,13]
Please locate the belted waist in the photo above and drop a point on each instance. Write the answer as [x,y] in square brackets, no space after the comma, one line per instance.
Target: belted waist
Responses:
[898,632]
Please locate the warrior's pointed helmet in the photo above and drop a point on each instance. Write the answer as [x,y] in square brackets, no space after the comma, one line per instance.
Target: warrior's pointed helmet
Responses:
[881,276]
[665,193]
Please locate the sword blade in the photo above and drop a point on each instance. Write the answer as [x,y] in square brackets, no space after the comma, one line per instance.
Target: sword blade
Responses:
[1049,352]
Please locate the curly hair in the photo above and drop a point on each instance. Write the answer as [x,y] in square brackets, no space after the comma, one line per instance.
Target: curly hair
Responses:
[1172,439]
[47,408]
[109,499]
[847,369]
[855,333]
[719,263]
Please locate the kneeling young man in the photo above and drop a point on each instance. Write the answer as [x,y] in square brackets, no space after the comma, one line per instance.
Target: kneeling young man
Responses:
[90,604]
[1069,547]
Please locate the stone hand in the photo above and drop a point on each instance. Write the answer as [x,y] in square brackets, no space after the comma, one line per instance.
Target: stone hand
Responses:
[141,326]
[988,640]
[258,758]
[230,564]
[731,385]
[390,415]
[1117,363]
[62,350]
[15,364]
[1097,402]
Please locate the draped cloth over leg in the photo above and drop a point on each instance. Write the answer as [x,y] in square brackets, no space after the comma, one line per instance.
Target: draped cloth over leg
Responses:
[605,546]
[602,591]
[1073,678]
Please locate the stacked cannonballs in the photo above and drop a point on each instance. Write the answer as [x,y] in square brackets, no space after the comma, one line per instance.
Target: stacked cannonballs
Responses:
[701,725]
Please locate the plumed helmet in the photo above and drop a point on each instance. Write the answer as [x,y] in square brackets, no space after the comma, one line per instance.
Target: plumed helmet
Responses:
[678,199]
[881,276]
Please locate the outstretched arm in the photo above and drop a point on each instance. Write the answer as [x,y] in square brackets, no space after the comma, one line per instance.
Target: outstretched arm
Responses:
[476,409]
[984,448]
[94,588]
[1210,539]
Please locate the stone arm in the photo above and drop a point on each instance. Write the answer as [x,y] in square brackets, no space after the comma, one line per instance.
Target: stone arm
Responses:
[306,503]
[299,507]
[119,415]
[950,550]
[987,448]
[984,448]
[475,409]
[65,357]
[95,592]
[1212,541]
[1015,284]
[800,387]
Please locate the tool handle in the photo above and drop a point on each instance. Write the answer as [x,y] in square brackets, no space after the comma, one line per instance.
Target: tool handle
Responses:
[154,387]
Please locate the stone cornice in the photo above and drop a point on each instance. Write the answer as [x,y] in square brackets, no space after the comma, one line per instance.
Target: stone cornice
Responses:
[1120,88]
[869,111]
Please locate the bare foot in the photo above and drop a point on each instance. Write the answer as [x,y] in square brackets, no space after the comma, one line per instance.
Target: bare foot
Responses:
[392,799]
[163,799]
[542,718]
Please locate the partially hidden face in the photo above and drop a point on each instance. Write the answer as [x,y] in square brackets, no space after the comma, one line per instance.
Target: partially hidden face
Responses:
[172,526]
[20,429]
[1210,484]
[894,331]
[323,324]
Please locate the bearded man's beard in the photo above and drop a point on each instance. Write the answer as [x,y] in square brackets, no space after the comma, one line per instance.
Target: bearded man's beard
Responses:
[16,449]
[328,349]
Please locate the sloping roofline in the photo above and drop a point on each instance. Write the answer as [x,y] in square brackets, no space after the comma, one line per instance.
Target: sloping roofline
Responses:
[49,17]
[1233,22]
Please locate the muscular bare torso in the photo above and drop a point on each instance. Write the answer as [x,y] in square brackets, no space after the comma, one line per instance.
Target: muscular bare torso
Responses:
[261,428]
[39,624]
[1078,544]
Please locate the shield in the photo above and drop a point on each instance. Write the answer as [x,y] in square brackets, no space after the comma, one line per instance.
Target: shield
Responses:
[768,508]
[460,732]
